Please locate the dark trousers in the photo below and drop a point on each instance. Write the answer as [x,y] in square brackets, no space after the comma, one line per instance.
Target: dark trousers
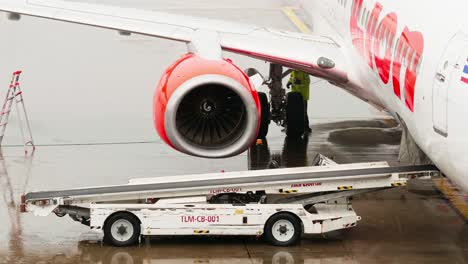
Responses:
[306,119]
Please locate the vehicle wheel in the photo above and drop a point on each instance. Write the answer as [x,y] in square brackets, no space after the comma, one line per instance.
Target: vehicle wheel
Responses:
[266,113]
[122,230]
[295,115]
[283,230]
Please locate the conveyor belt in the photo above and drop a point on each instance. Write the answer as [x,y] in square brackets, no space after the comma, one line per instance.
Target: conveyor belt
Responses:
[174,186]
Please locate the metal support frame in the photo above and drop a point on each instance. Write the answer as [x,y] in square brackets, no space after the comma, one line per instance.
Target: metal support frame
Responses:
[315,198]
[278,93]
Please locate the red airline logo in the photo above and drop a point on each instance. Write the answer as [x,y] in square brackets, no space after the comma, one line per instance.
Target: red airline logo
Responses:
[380,44]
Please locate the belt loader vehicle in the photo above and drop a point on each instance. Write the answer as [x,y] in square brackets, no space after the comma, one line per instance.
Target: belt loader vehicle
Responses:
[280,204]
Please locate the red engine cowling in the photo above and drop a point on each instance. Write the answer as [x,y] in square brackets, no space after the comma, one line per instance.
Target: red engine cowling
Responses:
[206,108]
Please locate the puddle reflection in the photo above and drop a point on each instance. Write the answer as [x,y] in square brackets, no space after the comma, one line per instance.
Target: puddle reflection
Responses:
[293,154]
[8,193]
[197,254]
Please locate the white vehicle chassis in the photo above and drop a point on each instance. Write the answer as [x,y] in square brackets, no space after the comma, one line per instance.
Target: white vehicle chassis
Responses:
[280,203]
[226,219]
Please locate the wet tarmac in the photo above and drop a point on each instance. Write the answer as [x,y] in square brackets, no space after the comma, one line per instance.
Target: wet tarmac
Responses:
[397,227]
[92,121]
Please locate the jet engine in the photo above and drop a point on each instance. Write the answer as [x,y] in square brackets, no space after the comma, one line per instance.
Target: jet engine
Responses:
[206,108]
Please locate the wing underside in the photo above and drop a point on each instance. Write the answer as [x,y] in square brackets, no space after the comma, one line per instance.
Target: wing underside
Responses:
[313,54]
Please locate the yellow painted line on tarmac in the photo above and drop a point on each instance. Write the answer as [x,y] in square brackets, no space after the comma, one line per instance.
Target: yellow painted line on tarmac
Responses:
[289,12]
[455,197]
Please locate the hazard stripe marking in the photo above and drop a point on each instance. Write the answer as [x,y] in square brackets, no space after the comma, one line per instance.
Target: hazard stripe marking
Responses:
[456,197]
[201,231]
[288,191]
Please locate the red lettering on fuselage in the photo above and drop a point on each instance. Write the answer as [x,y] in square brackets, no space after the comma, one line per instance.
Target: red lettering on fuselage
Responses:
[380,45]
[357,34]
[415,41]
[386,32]
[371,27]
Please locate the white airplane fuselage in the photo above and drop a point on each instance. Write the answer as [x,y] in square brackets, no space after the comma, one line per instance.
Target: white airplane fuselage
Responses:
[409,58]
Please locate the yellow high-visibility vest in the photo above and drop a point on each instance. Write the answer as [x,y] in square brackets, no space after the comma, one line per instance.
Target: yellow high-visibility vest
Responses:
[300,82]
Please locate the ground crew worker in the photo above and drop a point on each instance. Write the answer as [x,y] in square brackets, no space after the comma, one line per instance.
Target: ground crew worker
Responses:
[299,81]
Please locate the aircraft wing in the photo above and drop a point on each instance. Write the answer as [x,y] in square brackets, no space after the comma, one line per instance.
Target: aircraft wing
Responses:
[318,55]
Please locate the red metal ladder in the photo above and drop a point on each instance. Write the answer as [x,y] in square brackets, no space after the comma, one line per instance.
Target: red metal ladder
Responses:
[15,94]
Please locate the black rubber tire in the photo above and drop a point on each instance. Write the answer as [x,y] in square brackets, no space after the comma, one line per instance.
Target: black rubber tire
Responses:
[295,115]
[265,116]
[108,238]
[268,232]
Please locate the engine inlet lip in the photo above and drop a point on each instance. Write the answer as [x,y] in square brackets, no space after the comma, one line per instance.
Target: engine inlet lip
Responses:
[183,145]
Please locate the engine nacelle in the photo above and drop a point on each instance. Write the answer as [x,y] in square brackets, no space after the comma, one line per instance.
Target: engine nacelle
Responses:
[206,108]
